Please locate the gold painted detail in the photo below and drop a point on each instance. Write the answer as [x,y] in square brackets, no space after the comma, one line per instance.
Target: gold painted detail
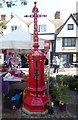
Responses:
[36,53]
[35,42]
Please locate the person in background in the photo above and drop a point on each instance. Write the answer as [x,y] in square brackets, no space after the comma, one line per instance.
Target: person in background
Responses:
[19,60]
[24,63]
[16,61]
[56,64]
[47,58]
[8,59]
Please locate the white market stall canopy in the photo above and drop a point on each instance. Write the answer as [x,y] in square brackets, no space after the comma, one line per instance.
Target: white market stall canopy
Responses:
[18,39]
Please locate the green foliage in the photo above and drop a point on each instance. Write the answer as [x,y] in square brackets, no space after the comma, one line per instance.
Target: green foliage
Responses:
[2,24]
[68,80]
[60,86]
[60,90]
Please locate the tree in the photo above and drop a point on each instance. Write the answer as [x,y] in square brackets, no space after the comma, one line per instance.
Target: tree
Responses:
[11,3]
[2,26]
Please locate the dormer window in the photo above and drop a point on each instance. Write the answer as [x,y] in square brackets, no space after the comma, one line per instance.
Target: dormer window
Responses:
[70,26]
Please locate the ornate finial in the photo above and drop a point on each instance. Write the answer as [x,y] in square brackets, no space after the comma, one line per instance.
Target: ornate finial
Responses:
[35,9]
[35,2]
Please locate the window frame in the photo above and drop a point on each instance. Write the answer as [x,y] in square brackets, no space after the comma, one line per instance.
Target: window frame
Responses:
[70,26]
[42,28]
[14,27]
[69,42]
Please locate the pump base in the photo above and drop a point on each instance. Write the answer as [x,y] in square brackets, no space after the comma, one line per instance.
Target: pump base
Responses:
[35,103]
[34,113]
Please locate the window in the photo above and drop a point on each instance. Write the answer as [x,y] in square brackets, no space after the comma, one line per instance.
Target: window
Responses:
[13,28]
[42,28]
[68,42]
[67,58]
[70,26]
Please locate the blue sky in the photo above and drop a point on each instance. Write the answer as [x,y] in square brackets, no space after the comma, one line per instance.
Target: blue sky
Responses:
[48,7]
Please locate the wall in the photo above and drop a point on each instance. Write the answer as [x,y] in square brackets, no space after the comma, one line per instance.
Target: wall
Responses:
[49,34]
[59,47]
[68,33]
[15,21]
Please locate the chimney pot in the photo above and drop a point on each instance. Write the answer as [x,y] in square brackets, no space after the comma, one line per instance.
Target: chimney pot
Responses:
[12,15]
[57,15]
[3,17]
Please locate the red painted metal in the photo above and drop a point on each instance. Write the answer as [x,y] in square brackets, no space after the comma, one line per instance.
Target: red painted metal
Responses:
[36,98]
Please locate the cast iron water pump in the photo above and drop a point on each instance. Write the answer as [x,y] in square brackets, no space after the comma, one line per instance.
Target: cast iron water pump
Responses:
[36,99]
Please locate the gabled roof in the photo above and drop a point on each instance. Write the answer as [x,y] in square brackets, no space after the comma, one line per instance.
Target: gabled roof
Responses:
[57,22]
[18,18]
[61,27]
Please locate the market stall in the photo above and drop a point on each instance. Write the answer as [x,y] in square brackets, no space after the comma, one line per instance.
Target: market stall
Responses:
[17,39]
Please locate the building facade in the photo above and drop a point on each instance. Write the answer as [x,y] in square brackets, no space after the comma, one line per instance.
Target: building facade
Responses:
[67,40]
[14,23]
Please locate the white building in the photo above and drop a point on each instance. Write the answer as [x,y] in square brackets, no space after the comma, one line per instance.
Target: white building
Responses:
[46,30]
[67,40]
[15,23]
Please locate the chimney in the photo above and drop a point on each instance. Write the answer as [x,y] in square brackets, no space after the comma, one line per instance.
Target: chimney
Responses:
[3,17]
[1,5]
[57,15]
[12,15]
